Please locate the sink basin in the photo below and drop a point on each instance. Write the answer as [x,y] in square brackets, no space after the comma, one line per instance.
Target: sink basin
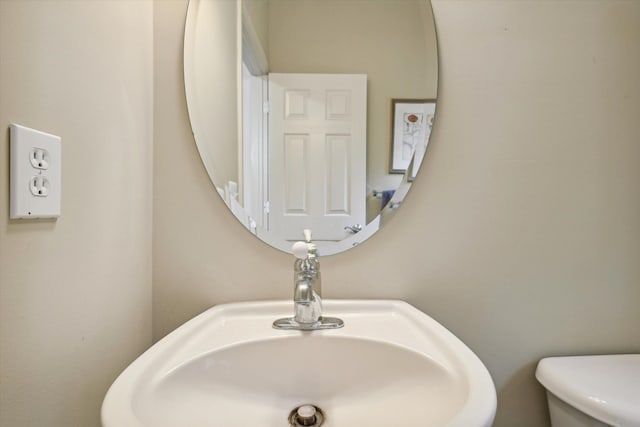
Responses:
[389,365]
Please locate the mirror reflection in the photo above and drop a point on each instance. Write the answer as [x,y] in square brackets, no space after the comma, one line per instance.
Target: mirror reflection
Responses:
[311,114]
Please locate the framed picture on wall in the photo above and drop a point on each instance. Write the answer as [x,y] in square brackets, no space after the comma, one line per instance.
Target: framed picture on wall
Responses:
[411,122]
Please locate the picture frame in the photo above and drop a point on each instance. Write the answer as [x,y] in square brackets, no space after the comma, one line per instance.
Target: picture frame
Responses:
[411,123]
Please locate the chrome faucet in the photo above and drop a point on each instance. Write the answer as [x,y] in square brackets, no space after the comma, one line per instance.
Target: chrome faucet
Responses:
[306,293]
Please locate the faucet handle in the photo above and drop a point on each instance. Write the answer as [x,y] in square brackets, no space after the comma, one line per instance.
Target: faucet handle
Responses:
[300,250]
[307,235]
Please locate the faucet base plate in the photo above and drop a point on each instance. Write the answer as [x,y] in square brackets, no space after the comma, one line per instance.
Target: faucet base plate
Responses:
[289,323]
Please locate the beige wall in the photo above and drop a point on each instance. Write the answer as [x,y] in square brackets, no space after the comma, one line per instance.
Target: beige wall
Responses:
[258,12]
[521,234]
[75,294]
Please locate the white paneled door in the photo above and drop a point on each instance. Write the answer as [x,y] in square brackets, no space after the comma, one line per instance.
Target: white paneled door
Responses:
[317,154]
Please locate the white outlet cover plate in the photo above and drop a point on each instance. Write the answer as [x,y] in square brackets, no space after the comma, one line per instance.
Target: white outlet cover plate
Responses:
[23,203]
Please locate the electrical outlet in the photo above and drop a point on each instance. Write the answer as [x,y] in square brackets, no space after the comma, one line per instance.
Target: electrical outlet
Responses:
[39,158]
[35,178]
[39,186]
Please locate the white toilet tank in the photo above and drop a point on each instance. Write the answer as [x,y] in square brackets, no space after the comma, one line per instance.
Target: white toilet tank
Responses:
[592,391]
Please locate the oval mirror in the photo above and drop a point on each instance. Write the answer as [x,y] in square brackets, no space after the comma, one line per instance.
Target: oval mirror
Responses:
[311,114]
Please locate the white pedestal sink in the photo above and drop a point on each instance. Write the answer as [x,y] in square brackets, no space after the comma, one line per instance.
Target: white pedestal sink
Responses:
[390,365]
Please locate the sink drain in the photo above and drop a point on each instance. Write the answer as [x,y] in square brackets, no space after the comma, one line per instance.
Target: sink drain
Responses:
[306,416]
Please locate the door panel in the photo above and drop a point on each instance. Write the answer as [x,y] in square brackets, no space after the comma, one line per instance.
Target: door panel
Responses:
[317,154]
